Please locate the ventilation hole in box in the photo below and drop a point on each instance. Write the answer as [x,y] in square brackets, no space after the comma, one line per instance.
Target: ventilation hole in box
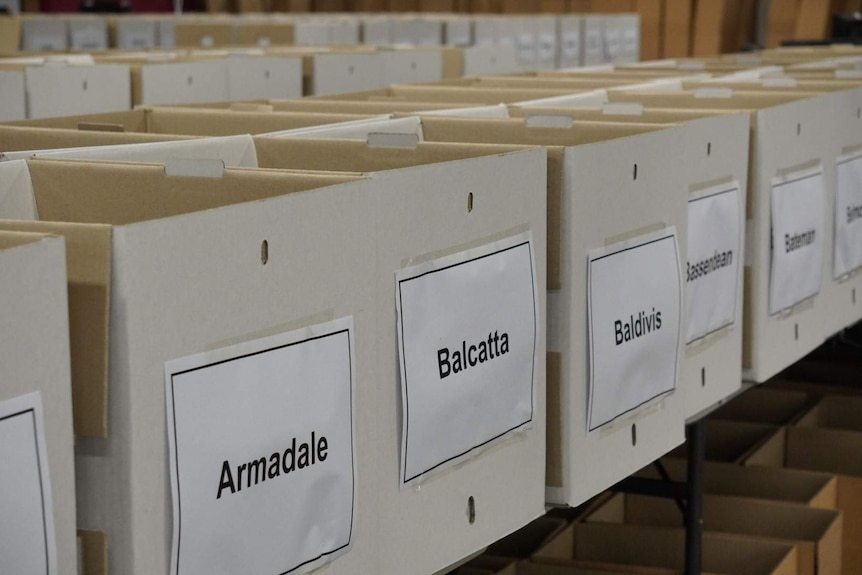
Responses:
[635,175]
[471,510]
[469,202]
[703,377]
[264,252]
[796,331]
[634,434]
[708,148]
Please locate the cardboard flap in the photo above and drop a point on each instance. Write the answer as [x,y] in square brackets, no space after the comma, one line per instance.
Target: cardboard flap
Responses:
[687,99]
[24,138]
[475,95]
[202,122]
[231,150]
[358,107]
[131,121]
[93,550]
[88,268]
[10,240]
[16,192]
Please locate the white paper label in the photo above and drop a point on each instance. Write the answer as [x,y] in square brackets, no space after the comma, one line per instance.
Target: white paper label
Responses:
[27,543]
[526,48]
[262,453]
[613,42]
[547,47]
[848,216]
[797,239]
[572,45]
[467,327]
[594,48]
[631,42]
[635,309]
[712,261]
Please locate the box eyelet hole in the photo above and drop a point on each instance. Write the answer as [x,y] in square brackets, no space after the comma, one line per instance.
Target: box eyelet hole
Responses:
[189,80]
[264,252]
[798,129]
[703,377]
[351,69]
[796,331]
[470,202]
[85,85]
[634,434]
[853,296]
[471,510]
[635,174]
[708,148]
[266,74]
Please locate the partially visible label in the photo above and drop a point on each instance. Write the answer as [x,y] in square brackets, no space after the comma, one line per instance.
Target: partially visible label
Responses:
[713,261]
[262,453]
[526,44]
[613,43]
[547,47]
[797,239]
[635,309]
[467,331]
[848,216]
[571,45]
[594,44]
[631,43]
[27,540]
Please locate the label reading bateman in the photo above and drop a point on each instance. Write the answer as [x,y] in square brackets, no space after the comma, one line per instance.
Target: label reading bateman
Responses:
[467,330]
[262,453]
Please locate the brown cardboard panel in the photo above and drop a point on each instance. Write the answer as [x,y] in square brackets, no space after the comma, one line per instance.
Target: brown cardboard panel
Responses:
[15,239]
[665,548]
[709,17]
[88,269]
[649,115]
[812,19]
[676,28]
[219,123]
[781,22]
[574,84]
[834,412]
[94,545]
[816,532]
[14,138]
[10,33]
[361,107]
[732,441]
[584,568]
[270,33]
[788,485]
[131,121]
[453,94]
[650,28]
[554,449]
[203,34]
[765,405]
[688,99]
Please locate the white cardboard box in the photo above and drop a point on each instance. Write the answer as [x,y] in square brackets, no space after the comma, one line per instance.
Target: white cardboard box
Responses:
[88,34]
[264,77]
[13,95]
[44,34]
[34,353]
[411,66]
[180,82]
[490,59]
[136,33]
[345,72]
[57,89]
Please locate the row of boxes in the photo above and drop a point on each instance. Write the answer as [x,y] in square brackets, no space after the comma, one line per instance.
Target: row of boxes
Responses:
[539,41]
[642,173]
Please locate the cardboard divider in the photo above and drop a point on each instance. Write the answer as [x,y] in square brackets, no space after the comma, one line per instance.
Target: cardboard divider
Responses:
[406,93]
[834,412]
[816,533]
[732,441]
[766,405]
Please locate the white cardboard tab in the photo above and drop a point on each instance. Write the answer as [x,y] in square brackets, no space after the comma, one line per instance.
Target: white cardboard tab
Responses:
[848,215]
[27,542]
[713,261]
[468,326]
[262,453]
[796,268]
[635,311]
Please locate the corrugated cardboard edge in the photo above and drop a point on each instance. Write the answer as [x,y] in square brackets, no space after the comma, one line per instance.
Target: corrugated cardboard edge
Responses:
[88,268]
[94,552]
[554,456]
[10,240]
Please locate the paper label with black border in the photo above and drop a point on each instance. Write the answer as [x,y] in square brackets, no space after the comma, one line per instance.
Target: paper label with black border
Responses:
[467,330]
[796,268]
[848,215]
[27,538]
[712,260]
[261,438]
[634,316]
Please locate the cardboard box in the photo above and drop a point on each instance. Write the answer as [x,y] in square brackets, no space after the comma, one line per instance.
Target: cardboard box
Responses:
[816,533]
[417,31]
[510,176]
[650,12]
[490,59]
[782,143]
[733,441]
[832,451]
[34,303]
[61,89]
[344,72]
[630,546]
[179,82]
[88,33]
[134,33]
[818,490]
[188,33]
[252,77]
[262,33]
[44,34]
[765,405]
[411,66]
[13,95]
[676,28]
[834,412]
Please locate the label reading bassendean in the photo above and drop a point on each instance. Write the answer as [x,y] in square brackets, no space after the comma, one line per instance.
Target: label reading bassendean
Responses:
[635,307]
[27,543]
[262,453]
[467,329]
[713,260]
[848,216]
[797,238]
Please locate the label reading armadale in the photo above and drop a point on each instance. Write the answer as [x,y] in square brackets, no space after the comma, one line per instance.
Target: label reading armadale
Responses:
[797,239]
[848,216]
[27,539]
[467,331]
[713,260]
[262,453]
[635,308]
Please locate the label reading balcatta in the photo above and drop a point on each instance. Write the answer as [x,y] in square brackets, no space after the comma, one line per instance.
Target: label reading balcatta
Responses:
[848,216]
[467,329]
[797,239]
[27,543]
[713,261]
[635,306]
[262,453]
